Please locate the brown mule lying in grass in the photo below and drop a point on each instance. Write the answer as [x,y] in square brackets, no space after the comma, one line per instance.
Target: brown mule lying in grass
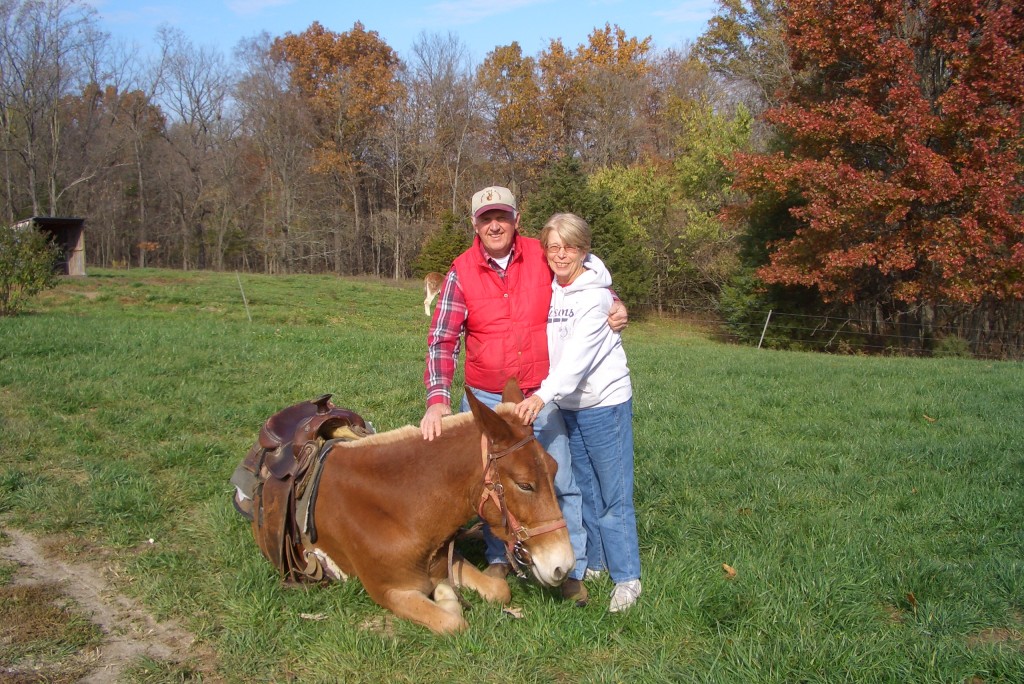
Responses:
[387,507]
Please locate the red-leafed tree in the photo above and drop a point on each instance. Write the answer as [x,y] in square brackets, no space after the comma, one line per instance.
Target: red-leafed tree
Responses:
[902,160]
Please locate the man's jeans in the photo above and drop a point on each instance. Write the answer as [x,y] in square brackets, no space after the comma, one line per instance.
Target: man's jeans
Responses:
[550,431]
[601,443]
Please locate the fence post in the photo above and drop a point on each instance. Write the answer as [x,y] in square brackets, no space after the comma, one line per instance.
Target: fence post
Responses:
[765,329]
[244,300]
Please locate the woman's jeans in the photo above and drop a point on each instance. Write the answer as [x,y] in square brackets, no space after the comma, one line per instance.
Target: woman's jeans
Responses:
[601,443]
[550,431]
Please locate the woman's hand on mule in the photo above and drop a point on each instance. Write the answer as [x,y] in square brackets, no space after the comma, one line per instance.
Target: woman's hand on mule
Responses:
[528,409]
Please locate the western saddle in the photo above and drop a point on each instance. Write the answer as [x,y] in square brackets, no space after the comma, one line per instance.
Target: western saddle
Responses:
[276,482]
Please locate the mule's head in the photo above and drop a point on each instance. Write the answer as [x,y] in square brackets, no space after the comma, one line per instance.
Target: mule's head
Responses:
[522,509]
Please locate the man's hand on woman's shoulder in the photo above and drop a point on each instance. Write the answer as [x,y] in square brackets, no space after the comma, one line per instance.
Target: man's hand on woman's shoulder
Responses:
[618,317]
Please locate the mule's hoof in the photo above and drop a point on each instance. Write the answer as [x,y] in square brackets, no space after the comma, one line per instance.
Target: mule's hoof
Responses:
[575,591]
[447,599]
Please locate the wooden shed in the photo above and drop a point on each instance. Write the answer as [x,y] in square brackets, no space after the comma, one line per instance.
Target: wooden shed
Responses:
[69,234]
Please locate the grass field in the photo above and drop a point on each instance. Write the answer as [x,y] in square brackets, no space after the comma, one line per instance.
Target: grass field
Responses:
[872,509]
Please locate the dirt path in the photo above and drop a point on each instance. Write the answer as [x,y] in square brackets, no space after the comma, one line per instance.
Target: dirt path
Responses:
[129,630]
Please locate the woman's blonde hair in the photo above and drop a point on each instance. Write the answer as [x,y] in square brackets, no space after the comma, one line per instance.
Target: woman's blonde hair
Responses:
[573,230]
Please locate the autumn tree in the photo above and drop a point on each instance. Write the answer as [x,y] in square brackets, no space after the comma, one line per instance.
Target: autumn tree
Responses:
[903,159]
[195,92]
[564,103]
[401,168]
[678,77]
[441,89]
[595,97]
[517,137]
[350,80]
[618,70]
[277,127]
[113,138]
[745,44]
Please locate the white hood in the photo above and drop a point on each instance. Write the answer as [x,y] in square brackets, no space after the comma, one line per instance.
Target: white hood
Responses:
[595,275]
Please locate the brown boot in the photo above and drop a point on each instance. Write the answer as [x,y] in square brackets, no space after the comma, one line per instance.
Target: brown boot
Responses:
[498,570]
[574,590]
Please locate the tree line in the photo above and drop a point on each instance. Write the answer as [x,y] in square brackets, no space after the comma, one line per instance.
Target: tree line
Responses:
[861,158]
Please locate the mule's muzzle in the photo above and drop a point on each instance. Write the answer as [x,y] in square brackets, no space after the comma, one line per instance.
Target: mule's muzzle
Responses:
[551,557]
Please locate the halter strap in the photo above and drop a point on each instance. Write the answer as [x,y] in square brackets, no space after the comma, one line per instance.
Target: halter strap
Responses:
[494,492]
[518,445]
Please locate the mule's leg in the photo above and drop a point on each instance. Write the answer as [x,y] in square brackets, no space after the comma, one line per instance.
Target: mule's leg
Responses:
[490,588]
[446,598]
[414,606]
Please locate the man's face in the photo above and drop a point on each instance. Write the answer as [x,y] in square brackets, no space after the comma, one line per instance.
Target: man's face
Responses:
[496,228]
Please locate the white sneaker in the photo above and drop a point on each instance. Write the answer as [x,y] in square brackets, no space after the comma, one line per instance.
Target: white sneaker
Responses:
[624,595]
[592,574]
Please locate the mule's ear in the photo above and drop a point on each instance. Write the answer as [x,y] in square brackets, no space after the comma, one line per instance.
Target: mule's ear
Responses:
[512,392]
[493,425]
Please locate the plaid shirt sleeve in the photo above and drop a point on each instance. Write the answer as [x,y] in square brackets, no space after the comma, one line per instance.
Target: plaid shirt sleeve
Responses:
[443,341]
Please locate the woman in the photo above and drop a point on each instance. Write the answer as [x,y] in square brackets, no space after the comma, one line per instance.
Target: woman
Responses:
[589,381]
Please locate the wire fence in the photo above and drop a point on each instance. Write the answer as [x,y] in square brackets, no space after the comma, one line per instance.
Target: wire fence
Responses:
[852,335]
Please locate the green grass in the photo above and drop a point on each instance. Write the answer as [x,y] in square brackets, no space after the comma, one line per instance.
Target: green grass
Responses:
[873,508]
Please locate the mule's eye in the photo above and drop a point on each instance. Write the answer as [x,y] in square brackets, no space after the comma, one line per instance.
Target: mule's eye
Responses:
[525,486]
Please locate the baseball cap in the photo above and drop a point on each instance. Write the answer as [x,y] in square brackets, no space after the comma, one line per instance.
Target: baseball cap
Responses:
[494,197]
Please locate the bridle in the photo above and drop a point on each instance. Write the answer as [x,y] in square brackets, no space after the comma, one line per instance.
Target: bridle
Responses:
[517,553]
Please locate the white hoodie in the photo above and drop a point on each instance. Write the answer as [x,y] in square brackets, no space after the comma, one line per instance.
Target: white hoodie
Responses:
[588,364]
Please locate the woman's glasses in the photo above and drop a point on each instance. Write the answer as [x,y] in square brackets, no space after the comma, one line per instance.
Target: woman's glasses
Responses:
[555,249]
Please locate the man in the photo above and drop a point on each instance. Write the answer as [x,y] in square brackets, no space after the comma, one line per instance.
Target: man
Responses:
[497,295]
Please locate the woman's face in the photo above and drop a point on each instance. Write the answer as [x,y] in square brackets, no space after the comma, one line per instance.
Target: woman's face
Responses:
[566,261]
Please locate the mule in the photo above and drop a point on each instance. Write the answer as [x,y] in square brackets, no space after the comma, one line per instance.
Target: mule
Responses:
[431,286]
[388,507]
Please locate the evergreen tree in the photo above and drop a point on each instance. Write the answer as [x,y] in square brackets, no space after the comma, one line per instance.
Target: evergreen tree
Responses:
[564,188]
[441,248]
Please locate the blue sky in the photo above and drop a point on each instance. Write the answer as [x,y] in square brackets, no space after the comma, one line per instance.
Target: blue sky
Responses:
[480,24]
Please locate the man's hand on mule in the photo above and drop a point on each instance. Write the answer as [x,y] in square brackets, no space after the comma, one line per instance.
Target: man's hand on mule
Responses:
[430,426]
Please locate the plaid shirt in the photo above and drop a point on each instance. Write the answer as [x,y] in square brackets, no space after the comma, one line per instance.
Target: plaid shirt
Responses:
[445,337]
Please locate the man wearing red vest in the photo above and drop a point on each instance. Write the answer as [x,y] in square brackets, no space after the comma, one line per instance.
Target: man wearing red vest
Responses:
[497,295]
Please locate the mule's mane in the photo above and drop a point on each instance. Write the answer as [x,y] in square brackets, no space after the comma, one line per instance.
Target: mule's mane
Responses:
[505,409]
[406,433]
